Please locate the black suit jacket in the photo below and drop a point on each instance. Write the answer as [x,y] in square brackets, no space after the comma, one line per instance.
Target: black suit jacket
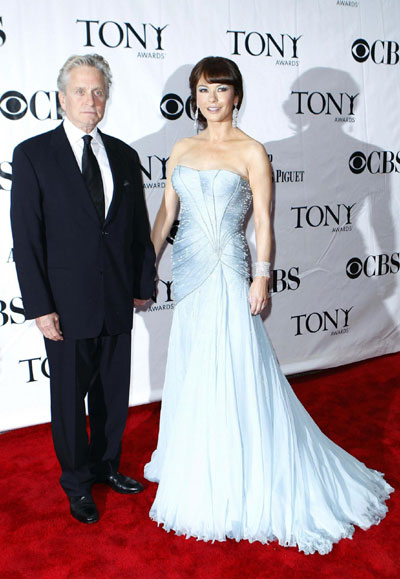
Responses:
[67,260]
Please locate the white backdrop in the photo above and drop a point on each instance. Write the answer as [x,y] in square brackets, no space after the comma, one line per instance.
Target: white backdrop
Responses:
[322,87]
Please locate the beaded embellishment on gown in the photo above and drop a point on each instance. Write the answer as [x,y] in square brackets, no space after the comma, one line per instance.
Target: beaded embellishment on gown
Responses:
[238,456]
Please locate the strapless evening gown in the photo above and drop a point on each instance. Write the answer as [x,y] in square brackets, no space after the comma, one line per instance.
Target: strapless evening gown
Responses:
[238,456]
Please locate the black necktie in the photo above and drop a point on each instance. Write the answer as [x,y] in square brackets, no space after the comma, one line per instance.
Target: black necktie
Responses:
[92,176]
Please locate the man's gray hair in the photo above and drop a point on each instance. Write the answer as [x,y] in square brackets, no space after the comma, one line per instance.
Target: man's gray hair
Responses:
[76,60]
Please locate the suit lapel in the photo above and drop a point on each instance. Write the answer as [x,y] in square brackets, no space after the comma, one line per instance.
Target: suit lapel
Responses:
[66,161]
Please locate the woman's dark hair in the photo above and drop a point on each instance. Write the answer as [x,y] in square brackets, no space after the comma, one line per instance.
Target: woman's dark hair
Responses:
[215,69]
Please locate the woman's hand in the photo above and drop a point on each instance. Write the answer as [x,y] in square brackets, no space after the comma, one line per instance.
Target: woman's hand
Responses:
[137,303]
[258,295]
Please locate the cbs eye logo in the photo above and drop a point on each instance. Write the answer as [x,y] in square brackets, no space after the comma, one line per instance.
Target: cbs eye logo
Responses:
[354,267]
[172,107]
[13,105]
[357,162]
[360,50]
[2,33]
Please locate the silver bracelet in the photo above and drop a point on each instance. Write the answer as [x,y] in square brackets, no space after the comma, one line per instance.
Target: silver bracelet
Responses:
[261,269]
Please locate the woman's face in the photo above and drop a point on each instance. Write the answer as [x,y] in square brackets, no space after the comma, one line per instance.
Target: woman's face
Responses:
[215,100]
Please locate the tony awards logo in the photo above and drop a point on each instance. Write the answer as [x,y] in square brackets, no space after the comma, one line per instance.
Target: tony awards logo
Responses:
[147,38]
[336,217]
[283,47]
[326,103]
[154,171]
[334,321]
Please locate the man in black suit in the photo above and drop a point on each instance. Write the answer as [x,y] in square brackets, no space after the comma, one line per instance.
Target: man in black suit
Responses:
[83,255]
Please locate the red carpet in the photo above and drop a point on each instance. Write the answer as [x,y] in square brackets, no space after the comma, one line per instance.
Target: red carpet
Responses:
[358,406]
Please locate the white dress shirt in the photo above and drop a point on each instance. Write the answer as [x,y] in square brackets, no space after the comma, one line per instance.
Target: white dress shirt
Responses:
[74,136]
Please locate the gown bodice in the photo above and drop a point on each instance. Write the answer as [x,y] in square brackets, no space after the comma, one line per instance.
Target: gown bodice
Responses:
[214,204]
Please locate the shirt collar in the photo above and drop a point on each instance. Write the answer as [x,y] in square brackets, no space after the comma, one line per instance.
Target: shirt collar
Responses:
[74,134]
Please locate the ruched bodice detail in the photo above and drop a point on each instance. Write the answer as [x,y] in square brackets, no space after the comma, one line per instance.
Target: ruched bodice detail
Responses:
[214,205]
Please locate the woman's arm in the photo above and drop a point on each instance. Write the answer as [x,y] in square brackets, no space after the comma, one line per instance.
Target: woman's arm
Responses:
[260,177]
[169,204]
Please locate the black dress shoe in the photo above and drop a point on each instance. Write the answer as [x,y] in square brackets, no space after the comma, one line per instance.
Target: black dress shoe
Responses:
[84,509]
[121,483]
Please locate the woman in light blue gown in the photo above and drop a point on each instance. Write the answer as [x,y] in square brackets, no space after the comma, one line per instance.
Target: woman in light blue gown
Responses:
[238,456]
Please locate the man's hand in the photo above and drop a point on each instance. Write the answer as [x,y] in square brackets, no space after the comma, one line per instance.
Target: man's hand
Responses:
[49,325]
[138,303]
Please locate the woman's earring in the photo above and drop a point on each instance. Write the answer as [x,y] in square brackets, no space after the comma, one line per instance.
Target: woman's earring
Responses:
[235,115]
[196,119]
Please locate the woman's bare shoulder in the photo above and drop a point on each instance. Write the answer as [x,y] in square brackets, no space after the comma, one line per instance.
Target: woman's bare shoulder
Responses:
[181,147]
[252,147]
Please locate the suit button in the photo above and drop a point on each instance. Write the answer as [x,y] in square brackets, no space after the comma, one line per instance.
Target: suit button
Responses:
[104,232]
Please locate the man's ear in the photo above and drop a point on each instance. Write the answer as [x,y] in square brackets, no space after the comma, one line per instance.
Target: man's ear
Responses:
[61,98]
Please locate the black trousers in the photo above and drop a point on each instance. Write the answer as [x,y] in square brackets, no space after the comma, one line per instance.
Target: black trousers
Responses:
[100,368]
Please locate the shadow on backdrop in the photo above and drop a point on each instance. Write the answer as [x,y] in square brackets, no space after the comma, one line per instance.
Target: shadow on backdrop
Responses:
[335,169]
[154,151]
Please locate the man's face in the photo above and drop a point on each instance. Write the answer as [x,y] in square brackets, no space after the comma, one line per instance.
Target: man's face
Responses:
[84,100]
